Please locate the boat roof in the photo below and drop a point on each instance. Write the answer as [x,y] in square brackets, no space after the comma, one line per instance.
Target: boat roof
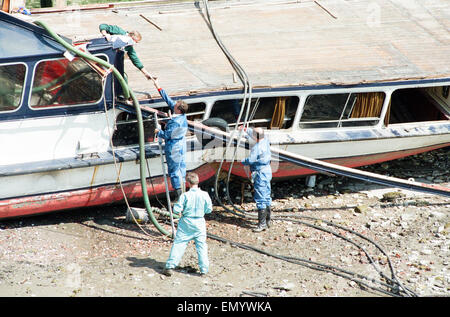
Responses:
[278,43]
[21,40]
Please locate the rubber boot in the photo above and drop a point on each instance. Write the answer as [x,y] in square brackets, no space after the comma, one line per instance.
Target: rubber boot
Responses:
[178,193]
[261,221]
[268,216]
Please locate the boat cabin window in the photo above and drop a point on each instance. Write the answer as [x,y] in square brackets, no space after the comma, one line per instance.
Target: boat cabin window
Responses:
[342,110]
[65,83]
[195,112]
[417,104]
[265,112]
[127,132]
[12,78]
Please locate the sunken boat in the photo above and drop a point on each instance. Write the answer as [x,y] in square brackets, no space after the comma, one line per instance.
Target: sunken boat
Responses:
[350,83]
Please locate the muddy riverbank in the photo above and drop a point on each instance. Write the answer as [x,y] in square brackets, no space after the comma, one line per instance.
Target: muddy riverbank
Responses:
[96,252]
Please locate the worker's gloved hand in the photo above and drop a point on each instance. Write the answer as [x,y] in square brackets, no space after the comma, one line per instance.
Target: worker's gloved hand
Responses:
[253,177]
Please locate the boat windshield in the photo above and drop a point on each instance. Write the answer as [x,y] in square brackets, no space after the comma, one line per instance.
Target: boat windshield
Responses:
[65,83]
[12,78]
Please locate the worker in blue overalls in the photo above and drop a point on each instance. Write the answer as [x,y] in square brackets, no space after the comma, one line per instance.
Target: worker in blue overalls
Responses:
[174,135]
[259,162]
[192,205]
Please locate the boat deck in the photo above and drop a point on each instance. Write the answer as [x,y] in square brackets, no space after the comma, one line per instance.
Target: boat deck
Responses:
[278,43]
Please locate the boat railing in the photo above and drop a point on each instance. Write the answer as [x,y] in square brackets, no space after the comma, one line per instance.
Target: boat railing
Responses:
[194,113]
[350,122]
[254,121]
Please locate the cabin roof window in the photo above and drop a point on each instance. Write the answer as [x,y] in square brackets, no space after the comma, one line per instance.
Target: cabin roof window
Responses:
[65,83]
[342,110]
[12,78]
[265,112]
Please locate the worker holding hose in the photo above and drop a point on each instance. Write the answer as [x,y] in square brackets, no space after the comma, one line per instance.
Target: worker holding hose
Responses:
[192,205]
[174,135]
[259,162]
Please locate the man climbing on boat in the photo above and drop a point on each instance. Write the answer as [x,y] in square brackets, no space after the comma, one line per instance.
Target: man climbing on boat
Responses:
[121,38]
[259,162]
[174,135]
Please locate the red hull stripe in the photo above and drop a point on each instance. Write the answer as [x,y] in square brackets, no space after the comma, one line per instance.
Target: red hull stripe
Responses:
[112,193]
[288,170]
[102,195]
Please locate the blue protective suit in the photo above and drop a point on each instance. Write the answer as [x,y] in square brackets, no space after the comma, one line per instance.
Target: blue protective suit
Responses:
[193,205]
[259,162]
[175,148]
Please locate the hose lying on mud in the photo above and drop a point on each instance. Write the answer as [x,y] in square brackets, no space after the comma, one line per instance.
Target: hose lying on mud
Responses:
[394,286]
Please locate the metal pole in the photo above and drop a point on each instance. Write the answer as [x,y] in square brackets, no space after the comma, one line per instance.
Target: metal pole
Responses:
[165,179]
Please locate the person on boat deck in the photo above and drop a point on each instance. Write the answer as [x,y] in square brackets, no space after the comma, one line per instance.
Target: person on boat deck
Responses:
[174,135]
[192,205]
[259,162]
[122,38]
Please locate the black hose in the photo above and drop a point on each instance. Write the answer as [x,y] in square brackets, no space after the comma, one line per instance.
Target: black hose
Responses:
[247,90]
[356,277]
[393,280]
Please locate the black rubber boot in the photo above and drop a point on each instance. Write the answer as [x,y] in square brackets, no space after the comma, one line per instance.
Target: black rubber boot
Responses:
[262,225]
[178,193]
[268,216]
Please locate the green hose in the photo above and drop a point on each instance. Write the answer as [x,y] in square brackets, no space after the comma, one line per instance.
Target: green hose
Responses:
[127,93]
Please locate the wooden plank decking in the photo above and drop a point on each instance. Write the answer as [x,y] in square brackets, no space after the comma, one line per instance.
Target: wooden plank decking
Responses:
[278,43]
